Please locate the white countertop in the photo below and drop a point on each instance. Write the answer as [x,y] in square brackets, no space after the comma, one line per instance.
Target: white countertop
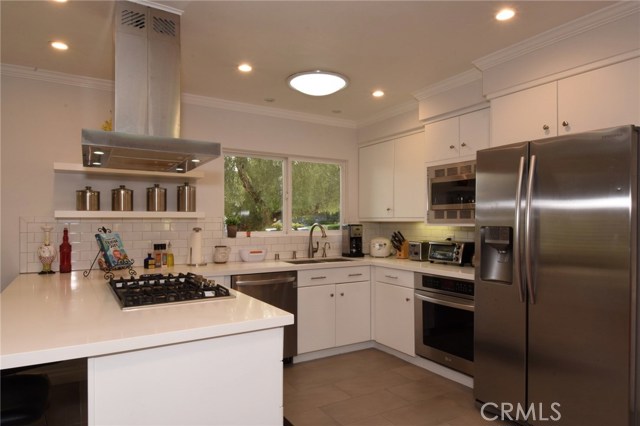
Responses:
[46,318]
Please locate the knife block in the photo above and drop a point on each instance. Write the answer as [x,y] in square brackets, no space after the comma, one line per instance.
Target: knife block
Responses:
[404,251]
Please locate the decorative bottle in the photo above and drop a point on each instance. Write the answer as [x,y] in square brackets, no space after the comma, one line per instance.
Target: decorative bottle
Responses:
[46,252]
[65,253]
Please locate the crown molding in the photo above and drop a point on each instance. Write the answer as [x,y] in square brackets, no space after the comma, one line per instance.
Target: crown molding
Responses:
[267,111]
[109,86]
[388,113]
[458,80]
[56,77]
[159,6]
[571,29]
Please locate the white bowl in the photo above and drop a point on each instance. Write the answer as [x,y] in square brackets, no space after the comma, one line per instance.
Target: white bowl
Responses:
[253,254]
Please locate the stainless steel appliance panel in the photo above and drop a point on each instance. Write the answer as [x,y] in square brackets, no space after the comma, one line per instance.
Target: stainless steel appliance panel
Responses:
[444,311]
[279,289]
[500,345]
[556,286]
[579,246]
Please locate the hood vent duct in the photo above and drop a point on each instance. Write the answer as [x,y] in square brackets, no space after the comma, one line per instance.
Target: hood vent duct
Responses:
[147,101]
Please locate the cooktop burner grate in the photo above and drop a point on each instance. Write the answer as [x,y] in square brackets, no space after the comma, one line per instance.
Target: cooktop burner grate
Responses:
[156,289]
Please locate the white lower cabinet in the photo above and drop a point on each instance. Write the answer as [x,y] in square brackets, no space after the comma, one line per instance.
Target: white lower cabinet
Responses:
[334,308]
[394,310]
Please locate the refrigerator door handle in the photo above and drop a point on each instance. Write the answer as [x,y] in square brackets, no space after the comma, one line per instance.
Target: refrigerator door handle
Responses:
[516,234]
[527,232]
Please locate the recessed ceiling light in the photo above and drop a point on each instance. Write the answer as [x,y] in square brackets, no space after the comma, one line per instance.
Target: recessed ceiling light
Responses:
[317,83]
[195,160]
[505,14]
[60,1]
[59,45]
[98,152]
[378,94]
[245,67]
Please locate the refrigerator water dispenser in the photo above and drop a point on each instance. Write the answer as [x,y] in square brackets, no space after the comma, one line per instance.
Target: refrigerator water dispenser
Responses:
[497,253]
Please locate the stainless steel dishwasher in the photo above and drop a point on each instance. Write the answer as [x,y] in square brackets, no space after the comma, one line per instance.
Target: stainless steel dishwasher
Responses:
[279,289]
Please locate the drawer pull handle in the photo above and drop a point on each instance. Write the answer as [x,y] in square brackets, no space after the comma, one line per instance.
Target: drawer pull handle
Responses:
[341,294]
[331,294]
[391,276]
[407,299]
[545,127]
[355,275]
[319,278]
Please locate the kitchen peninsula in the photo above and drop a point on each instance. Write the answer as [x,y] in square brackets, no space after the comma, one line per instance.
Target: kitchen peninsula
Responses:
[210,362]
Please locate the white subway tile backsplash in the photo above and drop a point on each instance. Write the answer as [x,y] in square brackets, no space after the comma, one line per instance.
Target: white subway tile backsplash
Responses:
[139,235]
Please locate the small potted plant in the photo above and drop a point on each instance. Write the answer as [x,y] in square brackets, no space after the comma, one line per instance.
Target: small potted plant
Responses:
[232,226]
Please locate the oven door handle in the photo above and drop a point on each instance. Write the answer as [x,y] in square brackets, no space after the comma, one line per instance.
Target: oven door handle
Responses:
[438,301]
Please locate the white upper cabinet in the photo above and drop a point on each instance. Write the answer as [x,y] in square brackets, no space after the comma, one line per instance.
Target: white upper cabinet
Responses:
[526,115]
[391,174]
[457,137]
[604,97]
[601,98]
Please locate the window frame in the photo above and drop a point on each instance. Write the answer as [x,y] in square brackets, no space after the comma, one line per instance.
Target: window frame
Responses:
[287,203]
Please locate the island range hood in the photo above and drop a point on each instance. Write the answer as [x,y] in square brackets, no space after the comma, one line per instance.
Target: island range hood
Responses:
[147,99]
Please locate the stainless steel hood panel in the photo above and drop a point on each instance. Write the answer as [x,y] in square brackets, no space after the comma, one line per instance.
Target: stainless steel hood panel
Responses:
[138,152]
[147,101]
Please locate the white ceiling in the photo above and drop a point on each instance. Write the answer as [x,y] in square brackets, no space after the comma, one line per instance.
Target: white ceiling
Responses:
[396,46]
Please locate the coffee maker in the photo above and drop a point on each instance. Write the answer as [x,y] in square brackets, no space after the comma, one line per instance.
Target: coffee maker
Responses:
[352,240]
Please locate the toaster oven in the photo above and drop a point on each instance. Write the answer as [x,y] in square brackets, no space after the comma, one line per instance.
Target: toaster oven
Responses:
[451,252]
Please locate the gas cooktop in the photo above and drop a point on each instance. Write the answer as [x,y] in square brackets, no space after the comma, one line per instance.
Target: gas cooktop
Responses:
[159,289]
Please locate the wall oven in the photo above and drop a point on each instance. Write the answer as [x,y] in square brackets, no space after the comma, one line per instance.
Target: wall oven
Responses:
[451,194]
[444,310]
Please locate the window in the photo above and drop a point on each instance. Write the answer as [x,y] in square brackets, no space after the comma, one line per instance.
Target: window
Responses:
[257,188]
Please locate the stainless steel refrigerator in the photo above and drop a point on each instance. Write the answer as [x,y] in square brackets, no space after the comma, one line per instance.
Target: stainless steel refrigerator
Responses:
[556,288]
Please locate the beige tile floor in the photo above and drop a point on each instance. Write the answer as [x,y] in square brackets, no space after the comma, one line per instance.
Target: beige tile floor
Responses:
[371,387]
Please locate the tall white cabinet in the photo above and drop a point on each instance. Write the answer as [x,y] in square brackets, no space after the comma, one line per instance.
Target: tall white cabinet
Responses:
[601,98]
[391,179]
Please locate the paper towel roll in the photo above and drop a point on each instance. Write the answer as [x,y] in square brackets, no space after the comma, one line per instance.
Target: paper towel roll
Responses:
[195,248]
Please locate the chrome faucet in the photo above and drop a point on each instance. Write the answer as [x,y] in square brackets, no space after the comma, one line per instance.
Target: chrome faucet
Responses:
[313,249]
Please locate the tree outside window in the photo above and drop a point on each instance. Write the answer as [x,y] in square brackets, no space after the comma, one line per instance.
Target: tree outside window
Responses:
[254,188]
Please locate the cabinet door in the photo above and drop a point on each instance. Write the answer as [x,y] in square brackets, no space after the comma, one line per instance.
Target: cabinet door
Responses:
[409,184]
[353,313]
[474,132]
[601,98]
[526,115]
[316,318]
[394,317]
[442,139]
[376,180]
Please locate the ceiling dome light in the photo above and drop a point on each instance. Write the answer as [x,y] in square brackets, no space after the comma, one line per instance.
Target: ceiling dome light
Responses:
[59,45]
[317,83]
[505,14]
[245,67]
[378,94]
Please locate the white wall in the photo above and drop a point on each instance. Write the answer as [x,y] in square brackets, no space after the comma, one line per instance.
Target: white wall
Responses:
[41,123]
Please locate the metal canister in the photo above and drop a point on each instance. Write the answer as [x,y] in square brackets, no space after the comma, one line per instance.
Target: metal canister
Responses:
[156,199]
[186,198]
[87,199]
[122,199]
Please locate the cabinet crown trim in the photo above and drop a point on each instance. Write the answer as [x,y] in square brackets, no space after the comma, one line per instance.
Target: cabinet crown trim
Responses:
[593,20]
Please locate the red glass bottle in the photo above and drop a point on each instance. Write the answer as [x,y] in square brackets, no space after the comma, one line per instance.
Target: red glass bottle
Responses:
[65,252]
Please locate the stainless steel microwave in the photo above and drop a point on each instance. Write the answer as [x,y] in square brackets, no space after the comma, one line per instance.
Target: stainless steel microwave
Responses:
[451,194]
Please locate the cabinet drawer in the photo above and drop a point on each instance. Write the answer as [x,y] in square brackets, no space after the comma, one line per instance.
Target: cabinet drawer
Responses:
[394,276]
[333,275]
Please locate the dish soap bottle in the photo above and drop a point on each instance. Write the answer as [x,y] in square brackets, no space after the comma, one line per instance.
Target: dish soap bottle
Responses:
[65,253]
[169,255]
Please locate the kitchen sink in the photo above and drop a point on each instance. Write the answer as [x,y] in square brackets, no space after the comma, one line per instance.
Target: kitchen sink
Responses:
[321,260]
